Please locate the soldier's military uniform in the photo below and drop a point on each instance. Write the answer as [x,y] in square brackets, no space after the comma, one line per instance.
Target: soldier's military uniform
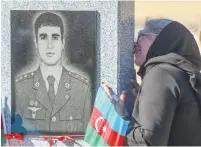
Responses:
[69,113]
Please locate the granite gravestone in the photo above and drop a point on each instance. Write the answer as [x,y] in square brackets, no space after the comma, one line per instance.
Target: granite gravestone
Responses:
[111,41]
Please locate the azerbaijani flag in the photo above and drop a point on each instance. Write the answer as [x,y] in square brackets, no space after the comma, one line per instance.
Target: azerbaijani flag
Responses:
[3,140]
[106,127]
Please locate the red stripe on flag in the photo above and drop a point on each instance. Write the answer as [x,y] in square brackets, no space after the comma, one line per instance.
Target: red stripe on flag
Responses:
[98,122]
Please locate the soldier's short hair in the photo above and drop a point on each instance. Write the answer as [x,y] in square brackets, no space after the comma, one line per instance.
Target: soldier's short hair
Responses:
[49,19]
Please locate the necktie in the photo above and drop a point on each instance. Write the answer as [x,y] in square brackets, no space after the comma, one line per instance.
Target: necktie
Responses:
[51,92]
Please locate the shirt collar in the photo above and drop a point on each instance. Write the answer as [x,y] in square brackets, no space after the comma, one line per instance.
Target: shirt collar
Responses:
[56,74]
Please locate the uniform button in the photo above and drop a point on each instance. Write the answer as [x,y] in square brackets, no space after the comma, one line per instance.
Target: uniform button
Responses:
[54,119]
[142,130]
[69,73]
[67,85]
[25,76]
[32,73]
[16,80]
[37,84]
[67,96]
[71,118]
[20,77]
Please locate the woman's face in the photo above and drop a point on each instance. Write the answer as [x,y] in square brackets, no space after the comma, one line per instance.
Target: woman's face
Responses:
[142,46]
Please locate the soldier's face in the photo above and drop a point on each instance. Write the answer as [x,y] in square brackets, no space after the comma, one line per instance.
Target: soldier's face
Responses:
[50,44]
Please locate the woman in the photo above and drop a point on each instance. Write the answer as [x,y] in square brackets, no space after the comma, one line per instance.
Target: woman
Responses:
[167,109]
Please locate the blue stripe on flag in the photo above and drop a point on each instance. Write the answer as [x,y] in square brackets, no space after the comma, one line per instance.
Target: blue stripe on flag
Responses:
[104,105]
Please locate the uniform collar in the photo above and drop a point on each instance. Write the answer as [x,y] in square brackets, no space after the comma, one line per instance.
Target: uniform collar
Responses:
[56,75]
[64,79]
[63,93]
[37,77]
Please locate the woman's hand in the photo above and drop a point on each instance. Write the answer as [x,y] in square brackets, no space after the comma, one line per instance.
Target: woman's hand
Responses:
[119,104]
[136,88]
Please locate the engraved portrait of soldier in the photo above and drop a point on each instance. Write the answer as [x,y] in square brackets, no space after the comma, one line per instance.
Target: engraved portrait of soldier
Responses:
[51,98]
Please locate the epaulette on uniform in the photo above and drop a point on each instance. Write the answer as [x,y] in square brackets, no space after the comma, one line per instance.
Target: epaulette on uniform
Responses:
[74,75]
[25,76]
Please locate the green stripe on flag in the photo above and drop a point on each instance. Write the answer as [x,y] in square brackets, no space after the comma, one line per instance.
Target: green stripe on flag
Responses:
[96,140]
[3,140]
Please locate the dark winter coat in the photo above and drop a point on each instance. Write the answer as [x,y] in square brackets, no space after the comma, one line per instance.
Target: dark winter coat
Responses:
[167,109]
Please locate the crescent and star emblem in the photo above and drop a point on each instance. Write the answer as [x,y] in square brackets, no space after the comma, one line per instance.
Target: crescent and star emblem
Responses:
[96,124]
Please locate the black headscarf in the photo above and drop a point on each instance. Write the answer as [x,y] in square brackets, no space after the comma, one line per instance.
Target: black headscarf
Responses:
[176,46]
[174,38]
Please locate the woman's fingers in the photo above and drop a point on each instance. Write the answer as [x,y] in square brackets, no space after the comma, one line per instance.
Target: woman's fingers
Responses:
[123,95]
[136,87]
[122,101]
[107,89]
